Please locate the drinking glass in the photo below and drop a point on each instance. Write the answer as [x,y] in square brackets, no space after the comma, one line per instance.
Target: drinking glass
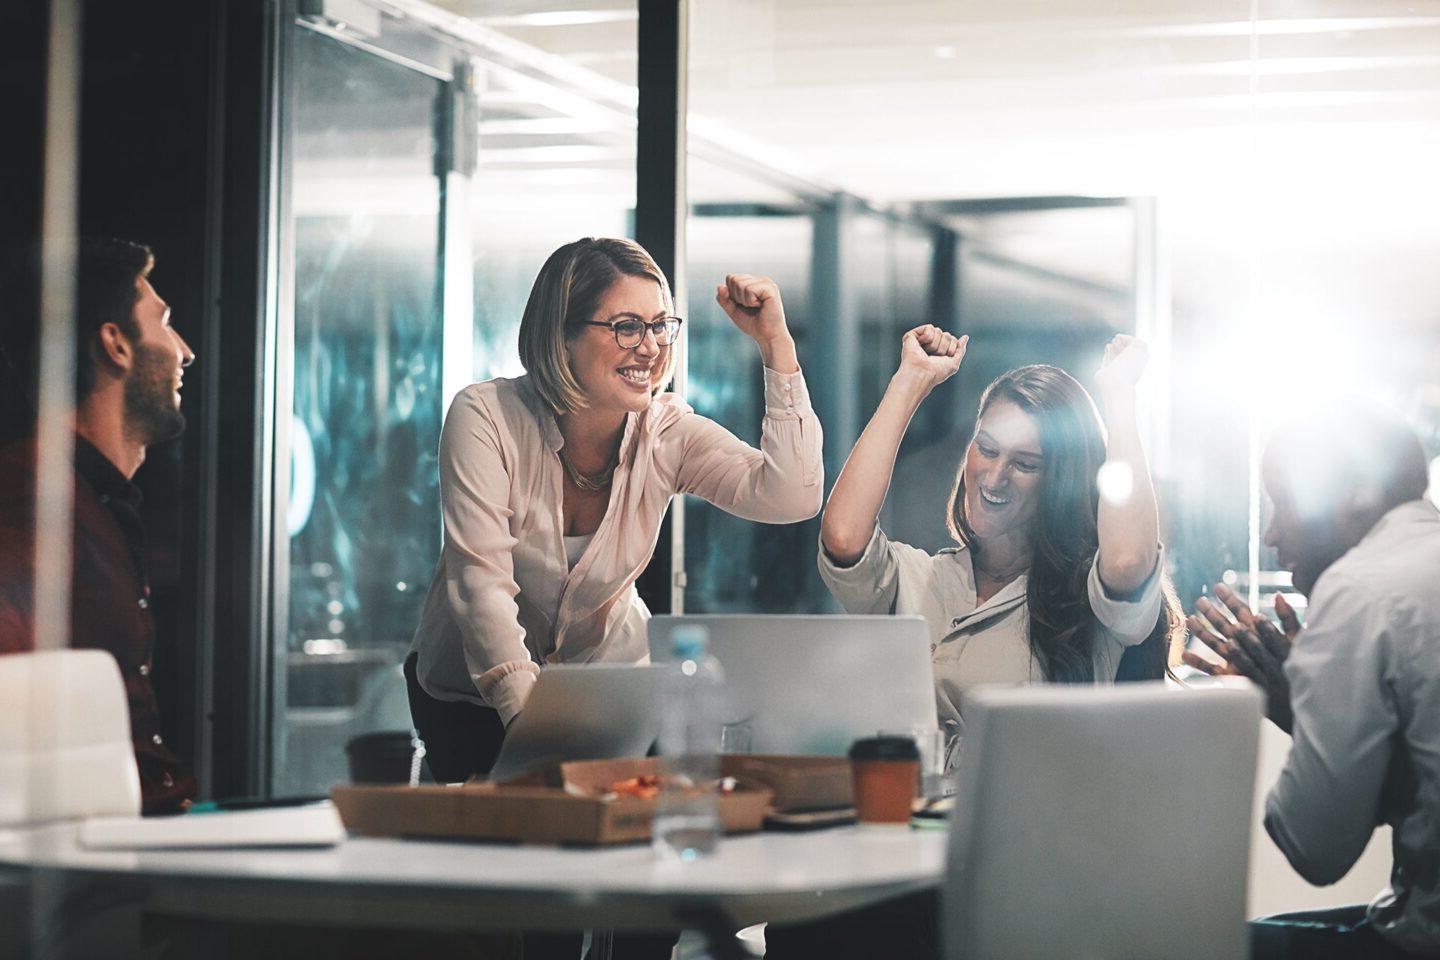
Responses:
[735,738]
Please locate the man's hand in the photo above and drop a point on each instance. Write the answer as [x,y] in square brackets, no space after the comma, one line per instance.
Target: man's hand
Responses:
[931,355]
[1249,646]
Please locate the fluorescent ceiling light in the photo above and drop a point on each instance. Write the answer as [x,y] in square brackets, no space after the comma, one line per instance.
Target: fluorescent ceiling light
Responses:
[547,126]
[559,18]
[1271,28]
[1289,66]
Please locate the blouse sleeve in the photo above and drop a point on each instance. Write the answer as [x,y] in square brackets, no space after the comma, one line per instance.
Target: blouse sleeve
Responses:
[782,482]
[1130,618]
[479,563]
[871,584]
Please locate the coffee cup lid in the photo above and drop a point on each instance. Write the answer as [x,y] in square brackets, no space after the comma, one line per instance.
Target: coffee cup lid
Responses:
[884,748]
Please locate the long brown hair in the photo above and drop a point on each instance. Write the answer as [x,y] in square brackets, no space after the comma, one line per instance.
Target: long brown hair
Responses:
[1072,438]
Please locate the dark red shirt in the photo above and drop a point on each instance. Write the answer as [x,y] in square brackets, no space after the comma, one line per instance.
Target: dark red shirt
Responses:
[110,596]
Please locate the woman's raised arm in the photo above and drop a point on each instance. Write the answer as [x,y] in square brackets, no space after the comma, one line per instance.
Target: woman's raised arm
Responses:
[1129,524]
[753,304]
[928,357]
[782,481]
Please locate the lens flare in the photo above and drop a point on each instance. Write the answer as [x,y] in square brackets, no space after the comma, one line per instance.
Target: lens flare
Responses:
[1116,482]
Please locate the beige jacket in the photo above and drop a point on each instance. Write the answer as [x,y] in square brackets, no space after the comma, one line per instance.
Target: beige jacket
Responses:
[504,600]
[972,644]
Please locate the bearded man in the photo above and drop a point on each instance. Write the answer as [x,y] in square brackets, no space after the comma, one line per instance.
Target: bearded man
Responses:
[128,370]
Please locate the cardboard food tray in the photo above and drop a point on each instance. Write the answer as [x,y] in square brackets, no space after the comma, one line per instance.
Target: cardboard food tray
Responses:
[801,783]
[566,804]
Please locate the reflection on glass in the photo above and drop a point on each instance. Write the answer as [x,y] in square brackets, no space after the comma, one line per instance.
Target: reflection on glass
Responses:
[735,565]
[377,322]
[367,345]
[552,170]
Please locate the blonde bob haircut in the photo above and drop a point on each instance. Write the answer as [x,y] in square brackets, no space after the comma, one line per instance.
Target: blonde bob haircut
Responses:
[567,292]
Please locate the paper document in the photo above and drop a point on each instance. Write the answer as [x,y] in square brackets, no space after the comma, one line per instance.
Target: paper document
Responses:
[313,825]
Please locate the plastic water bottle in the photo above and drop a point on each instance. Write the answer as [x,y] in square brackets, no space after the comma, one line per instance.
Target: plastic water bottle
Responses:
[687,811]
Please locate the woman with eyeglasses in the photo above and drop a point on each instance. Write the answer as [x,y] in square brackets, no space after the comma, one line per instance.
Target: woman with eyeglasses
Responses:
[553,486]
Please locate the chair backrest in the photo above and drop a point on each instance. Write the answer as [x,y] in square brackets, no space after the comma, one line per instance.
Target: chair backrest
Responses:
[65,748]
[1109,823]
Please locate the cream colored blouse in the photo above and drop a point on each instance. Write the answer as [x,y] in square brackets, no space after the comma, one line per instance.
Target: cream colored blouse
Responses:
[504,598]
[972,643]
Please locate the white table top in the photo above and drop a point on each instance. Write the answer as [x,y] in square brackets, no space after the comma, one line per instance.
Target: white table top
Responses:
[766,876]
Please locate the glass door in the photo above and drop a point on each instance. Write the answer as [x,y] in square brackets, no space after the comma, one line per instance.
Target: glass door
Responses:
[365,188]
[429,164]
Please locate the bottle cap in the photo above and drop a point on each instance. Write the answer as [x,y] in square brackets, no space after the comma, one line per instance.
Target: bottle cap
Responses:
[689,641]
[884,748]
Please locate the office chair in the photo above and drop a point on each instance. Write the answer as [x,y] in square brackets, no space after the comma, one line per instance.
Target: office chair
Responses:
[1104,823]
[65,749]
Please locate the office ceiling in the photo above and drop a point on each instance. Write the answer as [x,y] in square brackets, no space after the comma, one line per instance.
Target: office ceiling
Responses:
[1310,133]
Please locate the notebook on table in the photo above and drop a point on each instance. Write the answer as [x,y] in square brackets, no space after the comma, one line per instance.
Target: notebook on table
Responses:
[311,825]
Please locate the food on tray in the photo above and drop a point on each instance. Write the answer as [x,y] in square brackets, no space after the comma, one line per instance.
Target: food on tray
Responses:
[645,786]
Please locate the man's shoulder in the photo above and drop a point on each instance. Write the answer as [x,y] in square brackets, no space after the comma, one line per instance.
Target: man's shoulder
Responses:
[1398,566]
[1380,596]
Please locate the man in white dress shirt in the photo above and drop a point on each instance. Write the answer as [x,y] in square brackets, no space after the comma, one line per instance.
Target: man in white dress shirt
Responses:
[1359,686]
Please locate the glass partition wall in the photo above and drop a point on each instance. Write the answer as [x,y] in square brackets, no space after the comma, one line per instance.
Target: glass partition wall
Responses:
[365,202]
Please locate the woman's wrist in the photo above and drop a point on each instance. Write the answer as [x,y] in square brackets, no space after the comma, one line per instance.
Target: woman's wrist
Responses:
[909,386]
[1117,400]
[778,353]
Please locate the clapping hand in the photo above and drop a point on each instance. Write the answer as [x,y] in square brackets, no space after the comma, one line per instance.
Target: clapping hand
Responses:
[1125,360]
[1249,646]
[931,354]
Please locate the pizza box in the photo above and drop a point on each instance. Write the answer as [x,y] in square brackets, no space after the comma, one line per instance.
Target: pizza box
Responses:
[800,783]
[571,803]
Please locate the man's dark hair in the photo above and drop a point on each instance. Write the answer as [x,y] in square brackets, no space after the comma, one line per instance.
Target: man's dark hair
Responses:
[106,271]
[105,293]
[1332,452]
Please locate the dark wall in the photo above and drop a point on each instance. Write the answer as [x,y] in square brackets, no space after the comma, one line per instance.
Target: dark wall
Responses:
[146,135]
[23,30]
[173,153]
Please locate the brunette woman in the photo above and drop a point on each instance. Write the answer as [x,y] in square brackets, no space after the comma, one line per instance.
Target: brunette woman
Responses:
[1056,576]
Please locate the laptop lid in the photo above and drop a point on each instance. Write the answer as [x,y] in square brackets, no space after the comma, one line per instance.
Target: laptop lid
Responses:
[596,711]
[815,684]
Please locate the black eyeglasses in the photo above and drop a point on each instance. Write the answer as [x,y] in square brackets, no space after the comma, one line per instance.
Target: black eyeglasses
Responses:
[629,333]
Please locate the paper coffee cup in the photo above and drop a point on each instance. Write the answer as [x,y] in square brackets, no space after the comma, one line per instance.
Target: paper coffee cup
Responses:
[886,775]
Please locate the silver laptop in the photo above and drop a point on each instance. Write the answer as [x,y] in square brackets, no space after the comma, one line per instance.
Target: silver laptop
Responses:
[599,711]
[814,684]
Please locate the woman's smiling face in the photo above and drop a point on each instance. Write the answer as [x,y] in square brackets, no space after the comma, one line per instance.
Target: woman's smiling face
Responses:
[1004,465]
[613,378]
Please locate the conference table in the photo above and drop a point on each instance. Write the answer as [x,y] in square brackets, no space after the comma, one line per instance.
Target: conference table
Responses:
[415,884]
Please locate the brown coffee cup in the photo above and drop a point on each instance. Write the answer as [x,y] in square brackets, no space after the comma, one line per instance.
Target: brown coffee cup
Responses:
[885,772]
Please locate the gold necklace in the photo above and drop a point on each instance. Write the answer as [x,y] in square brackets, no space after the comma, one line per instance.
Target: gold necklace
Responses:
[587,482]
